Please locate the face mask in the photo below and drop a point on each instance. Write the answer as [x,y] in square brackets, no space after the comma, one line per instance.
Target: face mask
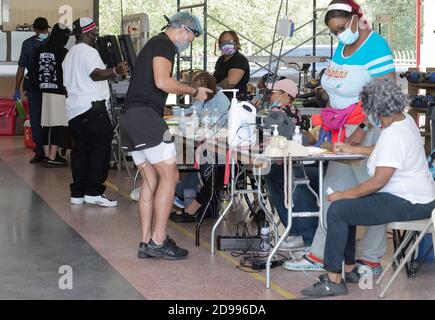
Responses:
[374,122]
[182,44]
[276,104]
[228,48]
[43,36]
[348,37]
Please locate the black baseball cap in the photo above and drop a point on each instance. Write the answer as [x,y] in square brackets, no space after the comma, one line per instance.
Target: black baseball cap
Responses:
[40,23]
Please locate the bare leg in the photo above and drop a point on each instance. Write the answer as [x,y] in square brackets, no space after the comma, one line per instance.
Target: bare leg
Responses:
[46,151]
[53,152]
[146,207]
[168,177]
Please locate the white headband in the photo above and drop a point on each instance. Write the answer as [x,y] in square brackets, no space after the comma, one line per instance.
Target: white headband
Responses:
[340,6]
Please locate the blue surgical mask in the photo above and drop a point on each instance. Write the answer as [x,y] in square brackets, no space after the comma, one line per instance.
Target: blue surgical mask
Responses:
[275,104]
[182,44]
[348,37]
[43,36]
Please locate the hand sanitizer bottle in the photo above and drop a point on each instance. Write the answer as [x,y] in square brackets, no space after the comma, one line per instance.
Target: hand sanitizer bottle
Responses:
[297,135]
[182,121]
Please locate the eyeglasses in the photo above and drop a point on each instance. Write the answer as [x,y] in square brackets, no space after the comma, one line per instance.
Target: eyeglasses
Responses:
[340,30]
[196,33]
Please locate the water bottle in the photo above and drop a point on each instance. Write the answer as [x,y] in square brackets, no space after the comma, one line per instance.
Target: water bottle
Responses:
[265,238]
[297,135]
[195,119]
[215,116]
[205,119]
[182,121]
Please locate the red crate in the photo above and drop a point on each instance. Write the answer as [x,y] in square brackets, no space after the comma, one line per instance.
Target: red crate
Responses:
[7,117]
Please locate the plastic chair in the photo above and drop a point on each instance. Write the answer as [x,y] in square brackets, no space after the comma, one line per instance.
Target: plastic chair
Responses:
[421,226]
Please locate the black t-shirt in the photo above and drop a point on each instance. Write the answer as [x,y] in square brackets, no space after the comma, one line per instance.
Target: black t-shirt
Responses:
[237,61]
[27,60]
[143,91]
[49,72]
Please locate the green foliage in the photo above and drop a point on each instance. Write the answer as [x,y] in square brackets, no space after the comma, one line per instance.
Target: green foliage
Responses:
[256,19]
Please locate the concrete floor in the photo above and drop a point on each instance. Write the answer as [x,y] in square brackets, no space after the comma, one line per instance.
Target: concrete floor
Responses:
[40,232]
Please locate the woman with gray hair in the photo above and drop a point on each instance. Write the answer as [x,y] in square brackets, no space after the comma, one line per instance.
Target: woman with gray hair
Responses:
[400,187]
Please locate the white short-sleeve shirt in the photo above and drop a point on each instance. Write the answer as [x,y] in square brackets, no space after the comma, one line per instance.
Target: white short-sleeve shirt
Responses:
[78,65]
[400,146]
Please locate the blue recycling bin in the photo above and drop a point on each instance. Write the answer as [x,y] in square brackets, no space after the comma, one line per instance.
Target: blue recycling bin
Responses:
[424,246]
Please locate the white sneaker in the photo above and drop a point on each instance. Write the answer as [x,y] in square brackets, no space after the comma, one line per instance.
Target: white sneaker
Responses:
[293,243]
[306,264]
[101,200]
[77,201]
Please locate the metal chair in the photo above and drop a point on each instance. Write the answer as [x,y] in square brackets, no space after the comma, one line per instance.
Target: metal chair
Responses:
[420,226]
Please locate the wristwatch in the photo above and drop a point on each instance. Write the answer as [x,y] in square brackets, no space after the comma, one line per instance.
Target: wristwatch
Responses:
[364,127]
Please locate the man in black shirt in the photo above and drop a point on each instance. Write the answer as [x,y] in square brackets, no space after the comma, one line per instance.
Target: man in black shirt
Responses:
[144,131]
[33,93]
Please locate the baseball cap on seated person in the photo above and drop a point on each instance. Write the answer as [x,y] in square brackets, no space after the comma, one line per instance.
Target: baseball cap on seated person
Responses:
[40,23]
[83,25]
[286,85]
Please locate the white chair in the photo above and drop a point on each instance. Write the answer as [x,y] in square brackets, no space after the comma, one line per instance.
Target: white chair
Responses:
[422,226]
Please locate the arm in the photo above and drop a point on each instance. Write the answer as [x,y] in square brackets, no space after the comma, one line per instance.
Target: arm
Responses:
[19,77]
[106,74]
[374,184]
[233,78]
[341,147]
[162,68]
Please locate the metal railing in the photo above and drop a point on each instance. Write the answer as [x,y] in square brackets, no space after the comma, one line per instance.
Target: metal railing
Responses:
[405,58]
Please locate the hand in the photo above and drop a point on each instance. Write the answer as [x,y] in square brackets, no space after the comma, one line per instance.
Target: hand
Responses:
[202,94]
[122,68]
[356,138]
[336,196]
[342,147]
[17,95]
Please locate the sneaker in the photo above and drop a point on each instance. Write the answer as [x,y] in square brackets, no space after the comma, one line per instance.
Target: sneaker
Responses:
[325,288]
[349,277]
[293,243]
[77,201]
[101,200]
[167,250]
[56,163]
[179,202]
[306,264]
[141,253]
[38,158]
[368,268]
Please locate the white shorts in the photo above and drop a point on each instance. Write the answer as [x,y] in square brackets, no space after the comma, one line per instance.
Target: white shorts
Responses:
[162,152]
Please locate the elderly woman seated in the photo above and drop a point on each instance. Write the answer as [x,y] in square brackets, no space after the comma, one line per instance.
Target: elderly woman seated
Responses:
[401,187]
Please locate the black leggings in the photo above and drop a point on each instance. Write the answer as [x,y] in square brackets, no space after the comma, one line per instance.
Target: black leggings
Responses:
[51,136]
[205,193]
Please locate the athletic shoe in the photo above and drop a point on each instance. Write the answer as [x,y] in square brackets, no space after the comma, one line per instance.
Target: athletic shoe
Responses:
[38,158]
[141,253]
[182,217]
[309,262]
[56,163]
[77,201]
[101,200]
[293,243]
[368,268]
[167,250]
[349,277]
[179,202]
[325,288]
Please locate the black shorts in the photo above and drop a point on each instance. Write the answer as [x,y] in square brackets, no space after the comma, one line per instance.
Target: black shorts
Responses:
[142,128]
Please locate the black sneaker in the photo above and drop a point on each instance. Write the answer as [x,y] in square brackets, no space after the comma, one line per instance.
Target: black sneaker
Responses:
[349,277]
[325,288]
[38,158]
[141,253]
[56,163]
[167,250]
